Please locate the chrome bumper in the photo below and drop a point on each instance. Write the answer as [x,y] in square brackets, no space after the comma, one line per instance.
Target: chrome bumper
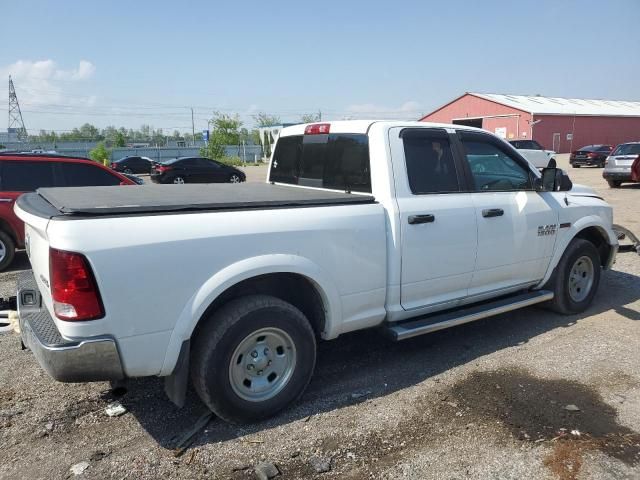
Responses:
[83,360]
[625,234]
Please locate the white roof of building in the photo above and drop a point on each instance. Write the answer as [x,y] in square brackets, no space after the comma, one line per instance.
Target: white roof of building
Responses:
[564,106]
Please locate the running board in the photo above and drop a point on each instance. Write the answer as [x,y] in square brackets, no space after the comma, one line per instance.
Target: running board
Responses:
[439,321]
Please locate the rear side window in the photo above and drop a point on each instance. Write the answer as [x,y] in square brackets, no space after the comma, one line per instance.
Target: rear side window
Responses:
[627,149]
[337,161]
[85,175]
[26,176]
[430,163]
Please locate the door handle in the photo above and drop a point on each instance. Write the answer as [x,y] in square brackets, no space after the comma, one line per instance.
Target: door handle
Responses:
[427,218]
[492,212]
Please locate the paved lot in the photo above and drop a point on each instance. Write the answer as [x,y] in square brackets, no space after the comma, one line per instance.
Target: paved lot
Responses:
[485,400]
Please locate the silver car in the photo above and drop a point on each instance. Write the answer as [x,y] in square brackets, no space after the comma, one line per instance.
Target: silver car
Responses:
[618,165]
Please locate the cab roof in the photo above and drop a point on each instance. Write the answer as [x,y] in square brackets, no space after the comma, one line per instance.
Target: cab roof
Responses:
[362,126]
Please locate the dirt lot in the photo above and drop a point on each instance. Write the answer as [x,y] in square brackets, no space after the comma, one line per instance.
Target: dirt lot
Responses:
[485,400]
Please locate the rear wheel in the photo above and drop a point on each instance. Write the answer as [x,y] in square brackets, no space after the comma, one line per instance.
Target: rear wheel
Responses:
[614,183]
[576,278]
[574,165]
[128,171]
[252,358]
[7,250]
[178,180]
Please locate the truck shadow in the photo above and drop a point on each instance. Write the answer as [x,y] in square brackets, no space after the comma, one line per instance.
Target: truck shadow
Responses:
[364,365]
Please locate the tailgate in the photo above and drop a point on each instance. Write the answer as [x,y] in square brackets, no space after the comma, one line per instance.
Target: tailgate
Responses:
[37,246]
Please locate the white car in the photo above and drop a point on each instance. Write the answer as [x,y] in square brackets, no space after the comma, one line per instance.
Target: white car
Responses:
[533,151]
[409,227]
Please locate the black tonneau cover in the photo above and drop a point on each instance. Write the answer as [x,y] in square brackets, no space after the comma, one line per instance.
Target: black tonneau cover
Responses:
[92,201]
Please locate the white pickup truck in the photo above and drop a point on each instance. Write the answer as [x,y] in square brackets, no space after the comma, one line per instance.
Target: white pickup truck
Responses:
[533,151]
[407,227]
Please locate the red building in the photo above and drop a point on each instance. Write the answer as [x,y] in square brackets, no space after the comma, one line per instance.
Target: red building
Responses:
[560,124]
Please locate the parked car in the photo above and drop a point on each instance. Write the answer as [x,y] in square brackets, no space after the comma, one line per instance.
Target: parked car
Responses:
[21,173]
[617,169]
[590,155]
[534,152]
[360,224]
[195,170]
[132,165]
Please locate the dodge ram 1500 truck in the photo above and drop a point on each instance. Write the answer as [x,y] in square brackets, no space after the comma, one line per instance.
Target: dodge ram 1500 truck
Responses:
[408,227]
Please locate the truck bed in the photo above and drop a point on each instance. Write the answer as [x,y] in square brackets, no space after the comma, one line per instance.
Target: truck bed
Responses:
[154,199]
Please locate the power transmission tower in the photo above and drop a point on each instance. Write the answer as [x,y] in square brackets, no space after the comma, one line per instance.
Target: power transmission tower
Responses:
[16,124]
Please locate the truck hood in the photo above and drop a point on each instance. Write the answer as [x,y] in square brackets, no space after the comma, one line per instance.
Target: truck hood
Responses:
[583,191]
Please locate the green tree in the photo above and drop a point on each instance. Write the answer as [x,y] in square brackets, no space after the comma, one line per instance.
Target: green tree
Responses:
[100,154]
[120,139]
[263,119]
[225,131]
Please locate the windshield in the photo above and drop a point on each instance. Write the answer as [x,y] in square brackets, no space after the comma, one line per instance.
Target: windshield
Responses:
[627,149]
[336,161]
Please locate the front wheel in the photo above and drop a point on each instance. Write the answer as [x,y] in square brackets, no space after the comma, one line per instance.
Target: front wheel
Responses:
[7,250]
[576,278]
[614,183]
[252,358]
[234,178]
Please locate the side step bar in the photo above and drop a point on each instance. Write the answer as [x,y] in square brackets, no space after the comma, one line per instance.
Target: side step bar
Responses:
[439,321]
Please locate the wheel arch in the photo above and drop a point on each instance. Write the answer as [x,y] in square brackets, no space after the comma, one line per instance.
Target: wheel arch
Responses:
[294,279]
[7,228]
[588,228]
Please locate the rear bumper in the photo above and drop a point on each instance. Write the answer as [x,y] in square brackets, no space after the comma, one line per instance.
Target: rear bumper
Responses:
[612,175]
[82,360]
[633,242]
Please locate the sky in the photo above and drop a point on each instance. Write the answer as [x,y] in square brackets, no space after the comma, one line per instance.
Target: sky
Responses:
[149,62]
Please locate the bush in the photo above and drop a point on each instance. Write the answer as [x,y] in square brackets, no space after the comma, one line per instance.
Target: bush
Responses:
[232,161]
[100,154]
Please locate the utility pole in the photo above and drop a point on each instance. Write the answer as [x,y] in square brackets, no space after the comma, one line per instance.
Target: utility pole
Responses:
[16,123]
[193,129]
[319,115]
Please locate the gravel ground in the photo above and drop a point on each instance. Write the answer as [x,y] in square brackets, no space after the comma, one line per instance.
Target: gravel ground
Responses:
[484,400]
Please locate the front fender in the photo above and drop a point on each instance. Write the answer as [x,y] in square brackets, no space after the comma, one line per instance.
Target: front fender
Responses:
[576,227]
[244,270]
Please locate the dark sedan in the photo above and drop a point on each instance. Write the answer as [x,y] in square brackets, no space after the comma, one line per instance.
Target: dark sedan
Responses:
[195,170]
[590,155]
[132,165]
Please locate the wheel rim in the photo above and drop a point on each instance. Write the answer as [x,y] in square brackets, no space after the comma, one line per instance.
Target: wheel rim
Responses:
[129,171]
[234,179]
[3,250]
[178,180]
[581,278]
[262,364]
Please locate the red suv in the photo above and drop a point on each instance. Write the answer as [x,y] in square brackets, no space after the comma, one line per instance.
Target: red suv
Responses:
[20,173]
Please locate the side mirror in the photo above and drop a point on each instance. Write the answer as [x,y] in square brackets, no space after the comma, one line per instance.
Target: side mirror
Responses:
[553,180]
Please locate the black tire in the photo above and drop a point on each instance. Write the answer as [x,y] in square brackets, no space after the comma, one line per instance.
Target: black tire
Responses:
[614,183]
[128,171]
[559,283]
[224,331]
[178,180]
[235,178]
[9,247]
[575,166]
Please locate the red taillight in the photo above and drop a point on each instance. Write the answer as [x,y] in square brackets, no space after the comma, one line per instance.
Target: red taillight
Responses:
[592,155]
[317,129]
[163,168]
[113,165]
[73,287]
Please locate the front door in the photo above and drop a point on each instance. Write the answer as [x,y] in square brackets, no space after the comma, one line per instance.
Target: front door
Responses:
[516,224]
[437,220]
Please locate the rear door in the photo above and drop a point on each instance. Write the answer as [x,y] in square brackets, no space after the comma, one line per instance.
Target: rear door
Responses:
[516,225]
[16,178]
[437,219]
